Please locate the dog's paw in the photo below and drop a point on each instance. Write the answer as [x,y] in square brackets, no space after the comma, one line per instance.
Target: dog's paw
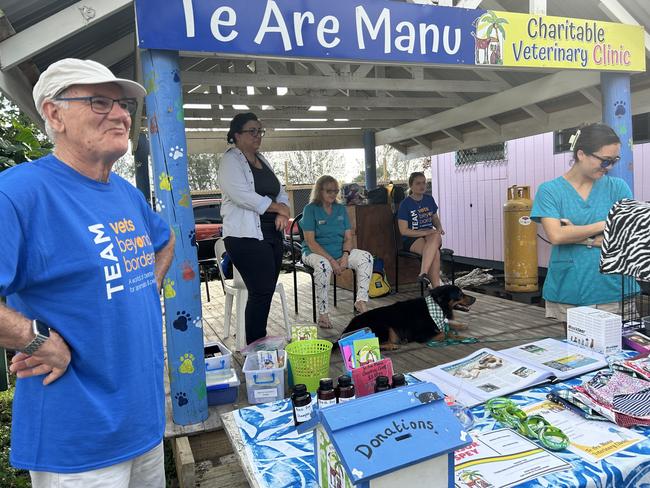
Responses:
[388,347]
[457,326]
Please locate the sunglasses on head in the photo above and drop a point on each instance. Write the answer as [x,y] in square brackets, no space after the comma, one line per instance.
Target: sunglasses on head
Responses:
[606,162]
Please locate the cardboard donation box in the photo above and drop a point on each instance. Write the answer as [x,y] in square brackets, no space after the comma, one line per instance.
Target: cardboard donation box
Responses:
[401,437]
[594,329]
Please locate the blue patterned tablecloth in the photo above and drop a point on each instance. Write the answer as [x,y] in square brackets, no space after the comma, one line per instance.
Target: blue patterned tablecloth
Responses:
[280,457]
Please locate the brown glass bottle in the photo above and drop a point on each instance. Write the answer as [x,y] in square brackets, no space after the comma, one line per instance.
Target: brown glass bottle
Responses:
[345,389]
[325,393]
[381,384]
[301,402]
[398,380]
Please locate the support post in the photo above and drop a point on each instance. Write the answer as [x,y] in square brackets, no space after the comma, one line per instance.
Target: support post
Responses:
[617,113]
[181,287]
[371,159]
[4,371]
[141,156]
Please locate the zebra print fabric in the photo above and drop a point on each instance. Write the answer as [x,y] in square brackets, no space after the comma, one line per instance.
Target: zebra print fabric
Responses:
[626,242]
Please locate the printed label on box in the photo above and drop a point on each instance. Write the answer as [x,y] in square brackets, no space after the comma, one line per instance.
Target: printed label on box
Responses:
[265,393]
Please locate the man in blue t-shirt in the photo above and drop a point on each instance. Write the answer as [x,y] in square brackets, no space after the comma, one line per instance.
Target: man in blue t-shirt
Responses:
[83,258]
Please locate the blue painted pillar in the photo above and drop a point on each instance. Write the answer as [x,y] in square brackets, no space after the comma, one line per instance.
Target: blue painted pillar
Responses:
[181,287]
[617,113]
[371,159]
[141,156]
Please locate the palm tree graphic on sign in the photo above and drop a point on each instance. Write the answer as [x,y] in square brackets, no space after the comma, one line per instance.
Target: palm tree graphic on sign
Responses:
[489,38]
[473,478]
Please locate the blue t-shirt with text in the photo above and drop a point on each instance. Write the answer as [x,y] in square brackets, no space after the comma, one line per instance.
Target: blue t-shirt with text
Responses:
[78,254]
[418,214]
[329,229]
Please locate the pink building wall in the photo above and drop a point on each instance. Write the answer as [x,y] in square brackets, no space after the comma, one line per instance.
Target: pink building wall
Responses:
[471,198]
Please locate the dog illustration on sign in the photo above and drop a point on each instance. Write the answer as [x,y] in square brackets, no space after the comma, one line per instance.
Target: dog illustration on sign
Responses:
[489,38]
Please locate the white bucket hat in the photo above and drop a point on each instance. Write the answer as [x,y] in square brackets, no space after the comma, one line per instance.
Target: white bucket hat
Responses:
[70,71]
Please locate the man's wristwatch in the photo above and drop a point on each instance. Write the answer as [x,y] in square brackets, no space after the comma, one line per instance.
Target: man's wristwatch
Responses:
[345,251]
[590,242]
[41,332]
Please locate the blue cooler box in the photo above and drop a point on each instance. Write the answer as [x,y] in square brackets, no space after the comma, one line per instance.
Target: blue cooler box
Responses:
[222,386]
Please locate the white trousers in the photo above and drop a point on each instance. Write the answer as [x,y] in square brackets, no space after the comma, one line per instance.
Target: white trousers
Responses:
[360,261]
[144,471]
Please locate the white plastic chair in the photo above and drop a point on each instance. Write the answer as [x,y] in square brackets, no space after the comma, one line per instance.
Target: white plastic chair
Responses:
[235,288]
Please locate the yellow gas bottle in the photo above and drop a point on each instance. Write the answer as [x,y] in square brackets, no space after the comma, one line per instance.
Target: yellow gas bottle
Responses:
[519,241]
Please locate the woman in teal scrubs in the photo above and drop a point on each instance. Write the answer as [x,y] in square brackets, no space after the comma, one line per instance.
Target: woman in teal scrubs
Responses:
[572,210]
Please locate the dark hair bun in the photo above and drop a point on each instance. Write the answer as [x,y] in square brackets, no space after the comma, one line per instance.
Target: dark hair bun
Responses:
[237,124]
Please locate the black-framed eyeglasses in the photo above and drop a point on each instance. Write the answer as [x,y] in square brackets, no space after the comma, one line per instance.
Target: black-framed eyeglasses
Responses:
[103,105]
[606,162]
[255,132]
[331,192]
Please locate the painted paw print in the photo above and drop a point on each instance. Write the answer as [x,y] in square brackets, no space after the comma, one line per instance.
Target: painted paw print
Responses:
[182,318]
[160,206]
[165,181]
[177,78]
[168,288]
[188,272]
[176,152]
[198,322]
[187,363]
[192,236]
[201,391]
[619,108]
[185,200]
[181,398]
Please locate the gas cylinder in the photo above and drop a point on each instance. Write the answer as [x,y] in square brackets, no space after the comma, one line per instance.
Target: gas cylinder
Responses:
[520,241]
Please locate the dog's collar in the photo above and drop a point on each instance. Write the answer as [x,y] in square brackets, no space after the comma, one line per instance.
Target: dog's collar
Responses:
[437,314]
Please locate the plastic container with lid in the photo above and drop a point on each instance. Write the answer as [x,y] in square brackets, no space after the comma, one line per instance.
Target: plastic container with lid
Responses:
[264,385]
[222,386]
[217,356]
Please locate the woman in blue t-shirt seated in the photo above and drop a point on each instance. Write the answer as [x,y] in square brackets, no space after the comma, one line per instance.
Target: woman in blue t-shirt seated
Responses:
[421,229]
[328,246]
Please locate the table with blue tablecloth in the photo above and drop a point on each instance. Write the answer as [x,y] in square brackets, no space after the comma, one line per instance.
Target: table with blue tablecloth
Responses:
[274,455]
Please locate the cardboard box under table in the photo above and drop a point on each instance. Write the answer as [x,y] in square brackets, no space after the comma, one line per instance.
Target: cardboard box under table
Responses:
[400,437]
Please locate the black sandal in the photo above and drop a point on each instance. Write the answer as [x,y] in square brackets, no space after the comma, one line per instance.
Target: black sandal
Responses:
[424,279]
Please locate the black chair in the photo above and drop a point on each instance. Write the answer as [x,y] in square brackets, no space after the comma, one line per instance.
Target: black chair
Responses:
[207,261]
[400,252]
[296,247]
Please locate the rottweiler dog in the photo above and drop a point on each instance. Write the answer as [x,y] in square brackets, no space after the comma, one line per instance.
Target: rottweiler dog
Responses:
[410,321]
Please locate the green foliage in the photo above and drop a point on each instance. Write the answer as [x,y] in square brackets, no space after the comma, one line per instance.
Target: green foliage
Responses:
[9,477]
[20,139]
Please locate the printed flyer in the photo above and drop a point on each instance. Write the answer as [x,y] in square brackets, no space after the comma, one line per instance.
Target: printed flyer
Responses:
[502,458]
[589,439]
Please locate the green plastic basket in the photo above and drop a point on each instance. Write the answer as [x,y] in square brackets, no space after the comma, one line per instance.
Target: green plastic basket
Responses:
[309,361]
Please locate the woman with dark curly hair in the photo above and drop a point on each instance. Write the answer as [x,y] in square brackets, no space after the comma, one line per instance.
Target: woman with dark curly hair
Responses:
[255,210]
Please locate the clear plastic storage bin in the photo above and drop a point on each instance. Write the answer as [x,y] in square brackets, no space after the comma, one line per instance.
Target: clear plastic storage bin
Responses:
[218,362]
[264,385]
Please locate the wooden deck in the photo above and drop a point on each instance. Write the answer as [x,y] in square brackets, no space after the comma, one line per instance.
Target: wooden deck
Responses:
[496,322]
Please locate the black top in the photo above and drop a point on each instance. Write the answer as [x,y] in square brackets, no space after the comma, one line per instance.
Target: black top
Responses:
[267,185]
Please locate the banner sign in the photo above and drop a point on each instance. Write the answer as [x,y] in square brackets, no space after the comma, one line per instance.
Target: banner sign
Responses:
[387,32]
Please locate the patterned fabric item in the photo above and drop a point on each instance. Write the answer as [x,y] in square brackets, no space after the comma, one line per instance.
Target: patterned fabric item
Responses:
[437,315]
[619,391]
[626,242]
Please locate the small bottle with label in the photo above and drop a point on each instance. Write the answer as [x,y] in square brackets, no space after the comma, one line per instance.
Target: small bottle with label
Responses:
[381,384]
[301,402]
[398,380]
[345,389]
[326,395]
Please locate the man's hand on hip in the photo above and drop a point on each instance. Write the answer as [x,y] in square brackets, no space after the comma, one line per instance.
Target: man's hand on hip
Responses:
[52,359]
